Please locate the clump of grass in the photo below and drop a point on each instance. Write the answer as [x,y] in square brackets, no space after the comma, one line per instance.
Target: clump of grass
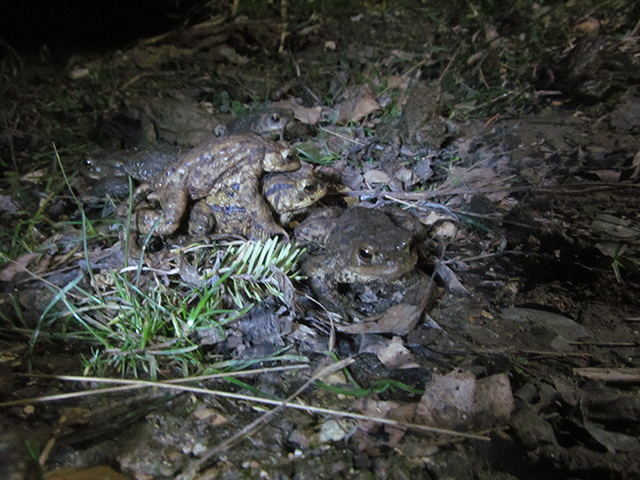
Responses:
[140,328]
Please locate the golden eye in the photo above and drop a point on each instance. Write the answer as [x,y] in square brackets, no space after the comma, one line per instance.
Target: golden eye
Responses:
[275,118]
[311,188]
[365,254]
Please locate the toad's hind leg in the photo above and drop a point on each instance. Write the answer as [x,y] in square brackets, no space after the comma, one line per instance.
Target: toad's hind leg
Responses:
[201,219]
[166,221]
[255,205]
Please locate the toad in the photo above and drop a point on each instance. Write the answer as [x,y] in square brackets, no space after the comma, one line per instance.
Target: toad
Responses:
[590,71]
[288,194]
[421,123]
[367,262]
[146,164]
[236,162]
[142,165]
[182,123]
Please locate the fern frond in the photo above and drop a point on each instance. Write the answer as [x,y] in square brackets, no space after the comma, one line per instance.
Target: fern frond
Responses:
[250,265]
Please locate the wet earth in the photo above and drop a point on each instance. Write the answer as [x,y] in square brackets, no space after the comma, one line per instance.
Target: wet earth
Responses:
[523,364]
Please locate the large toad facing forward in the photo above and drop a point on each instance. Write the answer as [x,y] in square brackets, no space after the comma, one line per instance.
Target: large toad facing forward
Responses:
[238,160]
[368,263]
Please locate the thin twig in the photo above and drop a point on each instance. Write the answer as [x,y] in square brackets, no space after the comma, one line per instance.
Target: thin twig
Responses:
[343,137]
[133,384]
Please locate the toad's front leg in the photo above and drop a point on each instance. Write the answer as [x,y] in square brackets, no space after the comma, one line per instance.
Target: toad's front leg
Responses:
[256,207]
[324,289]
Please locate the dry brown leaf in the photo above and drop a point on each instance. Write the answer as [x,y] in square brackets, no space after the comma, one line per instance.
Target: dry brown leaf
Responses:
[8,204]
[611,176]
[358,103]
[396,355]
[310,115]
[590,26]
[636,166]
[404,413]
[376,176]
[458,401]
[17,266]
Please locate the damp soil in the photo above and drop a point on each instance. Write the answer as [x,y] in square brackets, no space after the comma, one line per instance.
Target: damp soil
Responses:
[538,289]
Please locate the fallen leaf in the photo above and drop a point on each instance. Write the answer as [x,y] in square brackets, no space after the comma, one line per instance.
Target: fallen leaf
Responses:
[606,175]
[612,441]
[396,355]
[449,277]
[8,204]
[458,401]
[77,73]
[310,115]
[358,103]
[334,430]
[376,176]
[563,327]
[394,81]
[635,164]
[404,413]
[17,266]
[590,25]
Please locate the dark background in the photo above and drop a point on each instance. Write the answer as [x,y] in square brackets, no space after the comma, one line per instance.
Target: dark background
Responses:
[72,25]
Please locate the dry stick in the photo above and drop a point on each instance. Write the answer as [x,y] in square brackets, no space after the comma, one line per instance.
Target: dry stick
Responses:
[133,384]
[204,391]
[343,137]
[317,410]
[605,344]
[569,189]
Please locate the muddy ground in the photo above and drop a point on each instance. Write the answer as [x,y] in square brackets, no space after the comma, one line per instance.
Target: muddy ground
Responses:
[523,125]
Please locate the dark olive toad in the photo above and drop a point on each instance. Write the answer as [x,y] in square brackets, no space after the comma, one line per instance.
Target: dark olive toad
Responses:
[367,261]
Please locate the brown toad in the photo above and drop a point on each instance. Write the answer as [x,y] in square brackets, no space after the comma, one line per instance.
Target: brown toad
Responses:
[287,193]
[183,123]
[368,262]
[237,161]
[421,124]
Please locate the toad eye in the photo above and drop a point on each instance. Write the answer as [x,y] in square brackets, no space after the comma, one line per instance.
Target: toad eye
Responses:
[275,118]
[311,188]
[365,254]
[91,165]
